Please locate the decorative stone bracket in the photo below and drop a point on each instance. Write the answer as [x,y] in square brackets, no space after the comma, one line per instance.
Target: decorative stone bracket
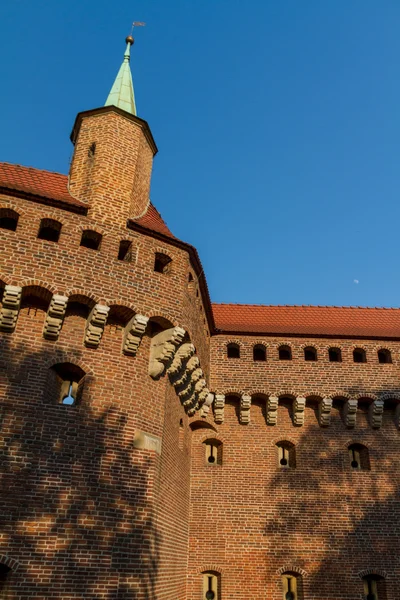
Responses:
[324,412]
[272,410]
[219,405]
[55,317]
[205,409]
[163,348]
[10,307]
[245,404]
[95,325]
[134,332]
[375,413]
[350,412]
[299,406]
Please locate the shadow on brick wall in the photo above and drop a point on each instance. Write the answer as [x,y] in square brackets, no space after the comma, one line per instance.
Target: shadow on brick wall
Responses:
[75,494]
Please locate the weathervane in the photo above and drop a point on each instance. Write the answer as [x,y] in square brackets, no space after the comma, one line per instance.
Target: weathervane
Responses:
[130,39]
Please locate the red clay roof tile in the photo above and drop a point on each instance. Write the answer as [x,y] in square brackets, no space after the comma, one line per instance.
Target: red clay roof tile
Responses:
[308,320]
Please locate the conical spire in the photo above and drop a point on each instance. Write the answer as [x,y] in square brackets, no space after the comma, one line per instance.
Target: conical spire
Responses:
[122,94]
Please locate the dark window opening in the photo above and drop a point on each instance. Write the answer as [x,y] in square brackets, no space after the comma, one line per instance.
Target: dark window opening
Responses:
[359,355]
[292,586]
[162,263]
[359,457]
[49,230]
[91,239]
[384,356]
[65,383]
[310,353]
[259,353]
[190,278]
[286,455]
[233,351]
[335,355]
[213,452]
[8,219]
[92,150]
[4,576]
[125,251]
[374,588]
[285,353]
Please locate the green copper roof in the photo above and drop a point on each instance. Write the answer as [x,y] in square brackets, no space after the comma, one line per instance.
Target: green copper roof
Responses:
[122,94]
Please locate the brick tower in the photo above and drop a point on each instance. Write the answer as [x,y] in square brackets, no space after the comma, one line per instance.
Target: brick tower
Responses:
[157,447]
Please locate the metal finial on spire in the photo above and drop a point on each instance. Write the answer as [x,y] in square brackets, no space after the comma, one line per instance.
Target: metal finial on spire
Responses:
[122,94]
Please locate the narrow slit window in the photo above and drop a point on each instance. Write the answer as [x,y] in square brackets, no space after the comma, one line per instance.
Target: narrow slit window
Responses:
[286,455]
[91,239]
[335,355]
[49,230]
[291,586]
[125,251]
[213,452]
[374,587]
[233,351]
[310,353]
[259,353]
[359,457]
[65,384]
[8,219]
[162,263]
[359,355]
[285,353]
[210,586]
[384,356]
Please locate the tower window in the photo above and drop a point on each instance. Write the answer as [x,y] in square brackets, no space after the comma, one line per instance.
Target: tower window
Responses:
[259,353]
[4,577]
[91,239]
[233,351]
[49,230]
[335,355]
[359,457]
[8,219]
[92,150]
[374,587]
[286,455]
[213,452]
[125,251]
[210,586]
[162,263]
[285,353]
[384,356]
[65,383]
[359,355]
[292,586]
[310,353]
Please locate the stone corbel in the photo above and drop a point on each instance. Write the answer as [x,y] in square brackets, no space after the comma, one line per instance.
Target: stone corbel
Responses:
[180,363]
[205,409]
[95,325]
[219,404]
[350,412]
[186,371]
[299,406]
[245,404]
[163,348]
[324,412]
[203,396]
[55,317]
[10,307]
[375,413]
[134,331]
[272,410]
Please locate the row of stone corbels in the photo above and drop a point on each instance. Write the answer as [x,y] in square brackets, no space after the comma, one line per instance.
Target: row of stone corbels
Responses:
[95,325]
[169,354]
[324,411]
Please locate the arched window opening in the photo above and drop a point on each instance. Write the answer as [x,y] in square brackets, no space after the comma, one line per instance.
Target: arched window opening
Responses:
[259,353]
[125,251]
[213,452]
[286,455]
[233,351]
[310,353]
[49,230]
[8,219]
[359,355]
[65,383]
[5,573]
[359,457]
[285,353]
[91,239]
[292,586]
[374,587]
[384,356]
[335,355]
[162,263]
[210,586]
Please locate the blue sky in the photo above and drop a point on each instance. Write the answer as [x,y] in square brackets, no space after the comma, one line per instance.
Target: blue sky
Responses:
[277,124]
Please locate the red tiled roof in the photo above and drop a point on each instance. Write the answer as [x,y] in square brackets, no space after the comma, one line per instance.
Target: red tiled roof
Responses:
[308,320]
[54,186]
